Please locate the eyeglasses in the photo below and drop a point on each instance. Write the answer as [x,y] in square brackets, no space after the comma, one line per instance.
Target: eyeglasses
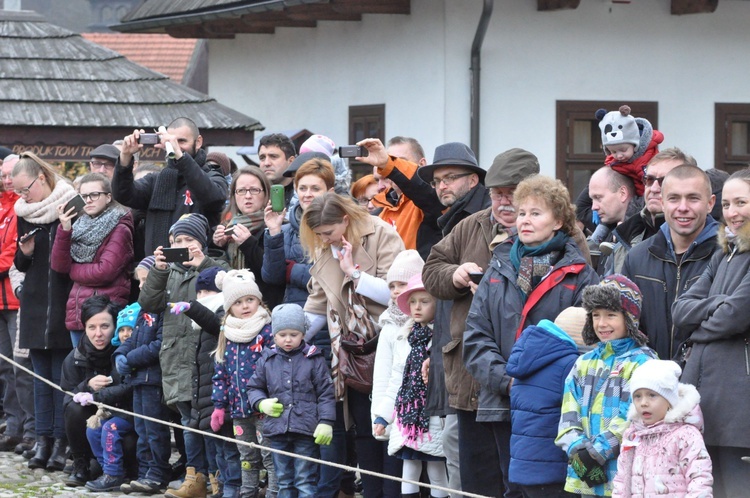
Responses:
[25,190]
[363,201]
[448,179]
[650,180]
[102,165]
[252,191]
[94,196]
[498,196]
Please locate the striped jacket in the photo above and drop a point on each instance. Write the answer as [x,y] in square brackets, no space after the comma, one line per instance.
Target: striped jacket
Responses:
[595,407]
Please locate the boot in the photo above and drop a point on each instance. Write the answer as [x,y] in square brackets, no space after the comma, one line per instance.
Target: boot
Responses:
[81,474]
[59,455]
[215,485]
[30,452]
[43,452]
[194,486]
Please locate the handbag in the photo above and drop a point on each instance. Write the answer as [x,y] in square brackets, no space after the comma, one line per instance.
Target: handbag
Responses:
[359,341]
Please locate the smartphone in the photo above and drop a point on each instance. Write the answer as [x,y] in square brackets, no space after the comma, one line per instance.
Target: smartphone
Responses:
[476,276]
[28,235]
[277,198]
[149,138]
[353,151]
[176,254]
[228,232]
[76,202]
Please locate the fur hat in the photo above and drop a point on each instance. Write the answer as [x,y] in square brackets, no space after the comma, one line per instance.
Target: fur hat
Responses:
[510,167]
[618,127]
[661,376]
[207,279]
[405,265]
[288,316]
[222,160]
[236,284]
[126,318]
[193,225]
[614,293]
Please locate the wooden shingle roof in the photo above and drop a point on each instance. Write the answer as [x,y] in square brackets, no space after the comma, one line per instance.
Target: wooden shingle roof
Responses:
[58,88]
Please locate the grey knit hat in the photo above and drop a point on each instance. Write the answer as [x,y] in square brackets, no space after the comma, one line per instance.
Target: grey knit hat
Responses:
[288,316]
[614,293]
[510,167]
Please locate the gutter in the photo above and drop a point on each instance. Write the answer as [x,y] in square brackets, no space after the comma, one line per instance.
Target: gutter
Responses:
[476,48]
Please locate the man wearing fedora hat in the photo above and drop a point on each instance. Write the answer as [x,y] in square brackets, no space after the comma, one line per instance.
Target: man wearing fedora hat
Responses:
[446,275]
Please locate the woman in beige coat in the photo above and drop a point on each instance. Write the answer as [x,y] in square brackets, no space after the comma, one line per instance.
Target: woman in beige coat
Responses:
[351,253]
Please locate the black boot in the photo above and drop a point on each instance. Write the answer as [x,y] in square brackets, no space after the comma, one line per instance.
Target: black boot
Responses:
[43,451]
[29,453]
[59,455]
[81,474]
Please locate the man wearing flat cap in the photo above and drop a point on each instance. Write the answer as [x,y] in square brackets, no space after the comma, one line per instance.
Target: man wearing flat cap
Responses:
[468,249]
[103,160]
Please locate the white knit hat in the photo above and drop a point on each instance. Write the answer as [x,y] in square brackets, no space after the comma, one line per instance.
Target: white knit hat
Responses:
[405,265]
[661,376]
[236,284]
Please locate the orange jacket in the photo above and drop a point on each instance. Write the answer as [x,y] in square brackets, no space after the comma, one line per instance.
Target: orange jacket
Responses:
[8,234]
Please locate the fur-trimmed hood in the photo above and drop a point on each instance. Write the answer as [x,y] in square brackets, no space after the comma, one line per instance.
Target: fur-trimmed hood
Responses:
[687,411]
[741,241]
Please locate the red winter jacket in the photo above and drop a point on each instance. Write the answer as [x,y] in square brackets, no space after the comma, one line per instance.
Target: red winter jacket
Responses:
[107,274]
[8,234]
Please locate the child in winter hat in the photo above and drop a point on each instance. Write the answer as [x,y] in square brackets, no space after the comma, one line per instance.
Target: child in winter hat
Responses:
[236,284]
[193,225]
[126,319]
[288,316]
[614,293]
[663,452]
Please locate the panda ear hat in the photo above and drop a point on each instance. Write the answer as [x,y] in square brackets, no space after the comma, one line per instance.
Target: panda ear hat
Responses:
[618,127]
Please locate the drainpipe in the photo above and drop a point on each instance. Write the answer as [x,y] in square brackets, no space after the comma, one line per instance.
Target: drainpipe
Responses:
[476,48]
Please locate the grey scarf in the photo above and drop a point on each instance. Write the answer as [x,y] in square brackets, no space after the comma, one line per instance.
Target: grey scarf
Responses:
[89,233]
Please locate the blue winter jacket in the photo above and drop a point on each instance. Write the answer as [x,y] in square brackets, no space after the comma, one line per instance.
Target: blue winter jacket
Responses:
[142,350]
[280,248]
[301,380]
[539,363]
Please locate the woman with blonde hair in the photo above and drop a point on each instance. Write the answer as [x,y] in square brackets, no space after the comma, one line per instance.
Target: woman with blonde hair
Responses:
[351,252]
[43,296]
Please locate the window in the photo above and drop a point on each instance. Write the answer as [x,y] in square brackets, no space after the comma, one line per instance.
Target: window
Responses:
[579,142]
[732,143]
[365,121]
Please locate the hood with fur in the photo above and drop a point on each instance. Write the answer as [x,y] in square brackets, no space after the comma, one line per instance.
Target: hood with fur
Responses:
[739,243]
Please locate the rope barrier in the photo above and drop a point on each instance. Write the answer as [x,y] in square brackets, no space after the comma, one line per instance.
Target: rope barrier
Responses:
[247,443]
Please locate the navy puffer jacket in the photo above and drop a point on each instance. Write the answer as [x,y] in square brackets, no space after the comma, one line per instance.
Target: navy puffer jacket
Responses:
[539,363]
[142,350]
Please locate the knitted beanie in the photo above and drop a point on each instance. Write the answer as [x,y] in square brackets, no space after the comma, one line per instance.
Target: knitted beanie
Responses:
[147,263]
[222,160]
[288,316]
[572,320]
[236,284]
[193,225]
[618,127]
[405,265]
[614,293]
[661,376]
[126,318]
[207,279]
[318,143]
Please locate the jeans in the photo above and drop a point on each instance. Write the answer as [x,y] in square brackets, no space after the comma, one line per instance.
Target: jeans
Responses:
[106,444]
[372,454]
[247,429]
[75,337]
[478,454]
[298,478]
[731,475]
[48,402]
[194,447]
[546,491]
[329,480]
[502,433]
[227,461]
[154,439]
[11,406]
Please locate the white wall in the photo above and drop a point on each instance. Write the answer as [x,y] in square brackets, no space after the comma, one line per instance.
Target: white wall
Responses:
[418,65]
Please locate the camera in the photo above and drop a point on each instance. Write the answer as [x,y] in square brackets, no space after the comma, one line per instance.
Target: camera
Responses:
[148,138]
[349,151]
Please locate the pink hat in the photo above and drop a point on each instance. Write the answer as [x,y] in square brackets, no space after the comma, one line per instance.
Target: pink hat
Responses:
[318,143]
[413,285]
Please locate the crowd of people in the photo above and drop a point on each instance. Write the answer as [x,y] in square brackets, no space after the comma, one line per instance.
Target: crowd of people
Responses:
[464,327]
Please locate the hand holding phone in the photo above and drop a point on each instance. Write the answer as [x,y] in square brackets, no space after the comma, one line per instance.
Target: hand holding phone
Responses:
[27,236]
[351,151]
[176,254]
[77,203]
[476,276]
[277,198]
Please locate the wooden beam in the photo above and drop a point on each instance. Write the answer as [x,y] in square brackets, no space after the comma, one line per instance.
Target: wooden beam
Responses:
[319,12]
[275,19]
[544,5]
[371,6]
[680,7]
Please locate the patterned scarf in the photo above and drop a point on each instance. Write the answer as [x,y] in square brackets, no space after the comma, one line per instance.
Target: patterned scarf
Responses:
[89,233]
[532,264]
[253,222]
[397,316]
[412,395]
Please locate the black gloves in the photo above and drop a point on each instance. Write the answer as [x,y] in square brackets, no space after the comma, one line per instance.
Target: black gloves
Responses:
[587,468]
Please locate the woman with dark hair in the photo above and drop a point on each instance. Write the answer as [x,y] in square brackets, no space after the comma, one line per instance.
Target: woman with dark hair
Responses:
[96,249]
[89,372]
[243,229]
[351,252]
[42,317]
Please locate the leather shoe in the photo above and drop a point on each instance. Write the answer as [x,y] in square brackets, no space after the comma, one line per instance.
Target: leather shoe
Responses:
[26,444]
[8,443]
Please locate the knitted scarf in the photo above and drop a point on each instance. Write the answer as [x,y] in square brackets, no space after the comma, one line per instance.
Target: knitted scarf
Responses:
[534,263]
[99,359]
[412,395]
[397,316]
[255,222]
[244,330]
[89,233]
[45,211]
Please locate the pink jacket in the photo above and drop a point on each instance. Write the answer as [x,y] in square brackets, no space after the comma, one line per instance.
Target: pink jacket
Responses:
[667,459]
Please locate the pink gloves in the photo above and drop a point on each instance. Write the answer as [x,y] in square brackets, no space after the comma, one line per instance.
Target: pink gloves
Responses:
[217,419]
[83,399]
